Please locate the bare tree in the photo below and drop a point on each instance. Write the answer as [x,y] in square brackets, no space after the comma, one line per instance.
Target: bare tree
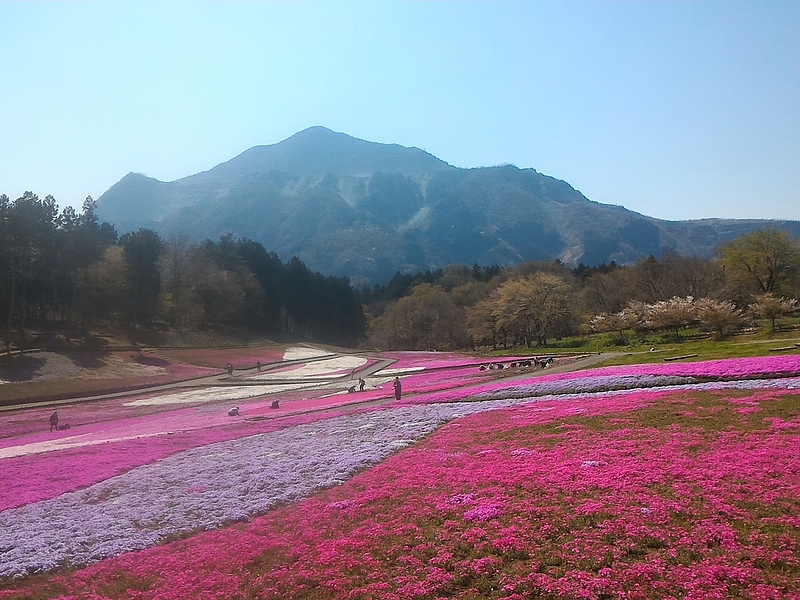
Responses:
[175,265]
[536,307]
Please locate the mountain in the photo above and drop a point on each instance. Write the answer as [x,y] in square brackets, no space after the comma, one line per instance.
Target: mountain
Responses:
[365,210]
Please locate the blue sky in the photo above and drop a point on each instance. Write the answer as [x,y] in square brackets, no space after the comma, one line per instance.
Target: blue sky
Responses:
[674,109]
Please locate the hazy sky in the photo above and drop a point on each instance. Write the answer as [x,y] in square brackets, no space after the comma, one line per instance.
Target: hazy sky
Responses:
[675,109]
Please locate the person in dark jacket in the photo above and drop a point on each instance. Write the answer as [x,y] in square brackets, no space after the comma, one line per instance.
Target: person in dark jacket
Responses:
[398,388]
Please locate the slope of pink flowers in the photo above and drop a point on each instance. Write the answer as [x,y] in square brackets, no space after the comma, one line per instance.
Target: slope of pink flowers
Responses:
[646,495]
[724,369]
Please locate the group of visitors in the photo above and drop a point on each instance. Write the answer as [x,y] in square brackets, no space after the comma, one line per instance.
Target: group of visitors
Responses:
[396,386]
[229,367]
[542,362]
[361,384]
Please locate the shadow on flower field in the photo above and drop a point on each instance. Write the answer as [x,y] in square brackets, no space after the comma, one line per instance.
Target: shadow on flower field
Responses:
[650,482]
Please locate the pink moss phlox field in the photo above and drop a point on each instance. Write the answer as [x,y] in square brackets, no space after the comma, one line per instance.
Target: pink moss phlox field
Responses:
[49,474]
[78,414]
[103,415]
[241,478]
[725,369]
[430,381]
[90,424]
[729,368]
[629,496]
[44,475]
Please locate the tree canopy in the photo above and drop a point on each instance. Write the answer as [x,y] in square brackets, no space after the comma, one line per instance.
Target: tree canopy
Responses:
[765,261]
[67,270]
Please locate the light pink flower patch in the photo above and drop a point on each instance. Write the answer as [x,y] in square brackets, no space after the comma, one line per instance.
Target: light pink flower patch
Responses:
[342,504]
[461,499]
[485,512]
[196,488]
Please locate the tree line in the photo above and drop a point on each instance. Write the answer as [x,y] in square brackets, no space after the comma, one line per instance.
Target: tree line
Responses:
[754,275]
[61,270]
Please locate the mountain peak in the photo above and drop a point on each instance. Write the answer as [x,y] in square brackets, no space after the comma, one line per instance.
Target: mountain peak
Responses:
[319,151]
[318,130]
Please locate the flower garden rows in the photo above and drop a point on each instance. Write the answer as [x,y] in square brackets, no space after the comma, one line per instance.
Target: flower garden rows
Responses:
[622,482]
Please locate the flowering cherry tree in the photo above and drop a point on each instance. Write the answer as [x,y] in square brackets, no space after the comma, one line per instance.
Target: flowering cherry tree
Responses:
[719,314]
[770,307]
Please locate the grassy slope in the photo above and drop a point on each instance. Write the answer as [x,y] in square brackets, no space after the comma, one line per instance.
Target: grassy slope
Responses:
[760,342]
[108,363]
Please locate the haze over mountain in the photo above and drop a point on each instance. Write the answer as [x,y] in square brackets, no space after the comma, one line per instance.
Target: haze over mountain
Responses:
[366,210]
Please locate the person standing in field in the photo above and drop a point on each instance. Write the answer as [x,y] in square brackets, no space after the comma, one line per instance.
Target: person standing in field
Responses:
[54,421]
[398,388]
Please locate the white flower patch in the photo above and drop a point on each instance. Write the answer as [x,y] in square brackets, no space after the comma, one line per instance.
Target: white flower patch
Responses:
[75,441]
[399,444]
[585,385]
[591,464]
[219,394]
[316,369]
[394,372]
[303,352]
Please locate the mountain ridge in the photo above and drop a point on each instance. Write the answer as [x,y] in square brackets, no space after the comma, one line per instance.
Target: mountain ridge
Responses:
[350,207]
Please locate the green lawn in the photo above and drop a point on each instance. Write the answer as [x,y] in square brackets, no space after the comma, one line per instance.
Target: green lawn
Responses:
[759,342]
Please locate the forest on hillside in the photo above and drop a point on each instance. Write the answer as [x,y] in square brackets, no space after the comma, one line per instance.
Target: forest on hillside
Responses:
[66,271]
[756,275]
